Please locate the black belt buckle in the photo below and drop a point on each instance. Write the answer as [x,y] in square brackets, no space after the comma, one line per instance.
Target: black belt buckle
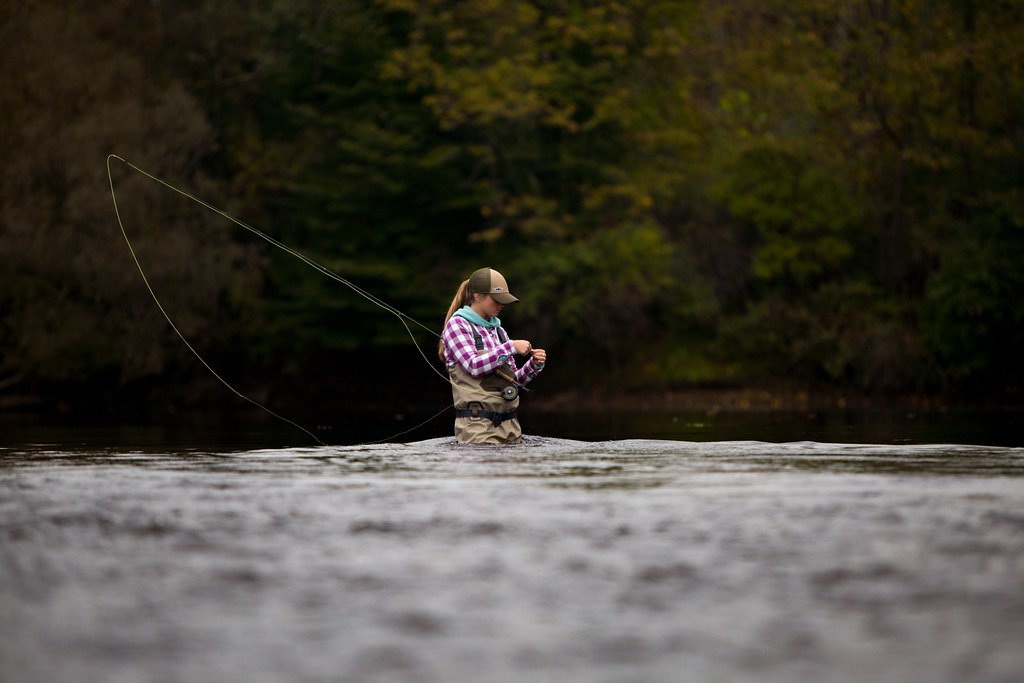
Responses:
[476,409]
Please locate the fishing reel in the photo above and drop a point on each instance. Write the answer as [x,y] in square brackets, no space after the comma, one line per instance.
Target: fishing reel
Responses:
[503,381]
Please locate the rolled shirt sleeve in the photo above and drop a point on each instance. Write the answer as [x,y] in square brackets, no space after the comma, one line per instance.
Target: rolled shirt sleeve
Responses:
[460,347]
[527,372]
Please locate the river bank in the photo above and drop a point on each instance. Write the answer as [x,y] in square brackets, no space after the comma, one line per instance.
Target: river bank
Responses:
[206,394]
[759,399]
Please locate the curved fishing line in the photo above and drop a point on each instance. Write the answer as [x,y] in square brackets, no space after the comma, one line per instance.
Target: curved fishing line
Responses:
[412,429]
[174,327]
[402,317]
[280,245]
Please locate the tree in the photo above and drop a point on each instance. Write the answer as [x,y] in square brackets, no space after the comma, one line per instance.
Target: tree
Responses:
[74,309]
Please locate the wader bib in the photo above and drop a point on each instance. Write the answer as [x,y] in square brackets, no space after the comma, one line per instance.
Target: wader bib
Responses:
[482,415]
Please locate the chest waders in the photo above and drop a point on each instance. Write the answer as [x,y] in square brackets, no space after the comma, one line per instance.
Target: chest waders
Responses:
[485,407]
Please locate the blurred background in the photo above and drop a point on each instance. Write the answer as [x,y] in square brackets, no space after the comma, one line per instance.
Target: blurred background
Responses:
[703,203]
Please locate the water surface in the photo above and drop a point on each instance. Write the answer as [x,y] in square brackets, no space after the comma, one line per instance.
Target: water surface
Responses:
[556,560]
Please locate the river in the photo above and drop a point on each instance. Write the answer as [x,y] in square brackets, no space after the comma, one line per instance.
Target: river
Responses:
[557,560]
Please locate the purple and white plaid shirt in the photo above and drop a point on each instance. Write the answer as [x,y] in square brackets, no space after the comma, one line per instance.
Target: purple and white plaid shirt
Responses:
[460,347]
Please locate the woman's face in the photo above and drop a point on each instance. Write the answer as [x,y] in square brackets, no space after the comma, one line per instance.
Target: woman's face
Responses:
[486,306]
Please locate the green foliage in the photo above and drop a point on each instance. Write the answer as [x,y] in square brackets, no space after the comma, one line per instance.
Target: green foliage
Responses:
[74,308]
[802,215]
[679,191]
[599,291]
[972,319]
[345,163]
[846,334]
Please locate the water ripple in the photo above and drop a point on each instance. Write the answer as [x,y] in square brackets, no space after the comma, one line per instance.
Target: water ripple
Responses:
[551,561]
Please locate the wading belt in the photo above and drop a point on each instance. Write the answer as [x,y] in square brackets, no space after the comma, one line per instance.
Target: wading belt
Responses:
[476,411]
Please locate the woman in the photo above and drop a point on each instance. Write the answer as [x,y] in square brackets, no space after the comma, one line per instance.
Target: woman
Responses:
[481,361]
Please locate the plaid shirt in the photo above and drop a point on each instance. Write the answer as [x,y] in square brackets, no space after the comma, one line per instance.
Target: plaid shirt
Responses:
[460,347]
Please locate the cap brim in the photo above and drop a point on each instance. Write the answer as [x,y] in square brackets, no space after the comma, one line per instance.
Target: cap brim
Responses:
[504,298]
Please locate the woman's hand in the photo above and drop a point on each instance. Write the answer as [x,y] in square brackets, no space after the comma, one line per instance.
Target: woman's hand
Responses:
[540,356]
[523,347]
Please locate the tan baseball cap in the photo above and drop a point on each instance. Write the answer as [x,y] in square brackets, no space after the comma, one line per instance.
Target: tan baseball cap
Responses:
[490,281]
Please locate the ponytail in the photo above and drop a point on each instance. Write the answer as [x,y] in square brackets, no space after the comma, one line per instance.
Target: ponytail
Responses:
[463,297]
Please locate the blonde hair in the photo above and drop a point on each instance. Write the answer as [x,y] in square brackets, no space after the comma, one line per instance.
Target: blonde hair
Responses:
[463,297]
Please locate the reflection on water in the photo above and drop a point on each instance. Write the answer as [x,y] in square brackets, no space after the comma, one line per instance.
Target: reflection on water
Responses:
[556,560]
[253,429]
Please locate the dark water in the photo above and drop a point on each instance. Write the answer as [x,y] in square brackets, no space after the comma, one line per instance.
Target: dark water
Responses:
[153,558]
[253,429]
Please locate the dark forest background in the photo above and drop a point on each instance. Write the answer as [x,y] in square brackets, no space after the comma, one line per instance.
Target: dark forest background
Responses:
[822,195]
